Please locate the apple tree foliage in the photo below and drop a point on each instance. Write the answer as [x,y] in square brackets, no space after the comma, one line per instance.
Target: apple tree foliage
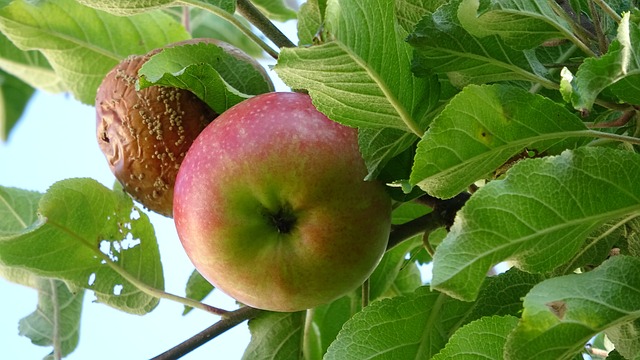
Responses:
[507,131]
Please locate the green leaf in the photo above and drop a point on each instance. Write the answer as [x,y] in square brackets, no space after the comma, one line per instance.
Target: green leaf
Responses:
[354,79]
[618,69]
[130,7]
[310,19]
[414,326]
[14,96]
[83,44]
[561,314]
[410,12]
[93,238]
[387,272]
[379,147]
[275,336]
[484,338]
[538,216]
[327,322]
[626,337]
[443,46]
[18,210]
[482,128]
[502,294]
[204,24]
[197,288]
[56,322]
[597,247]
[29,66]
[275,9]
[218,78]
[522,24]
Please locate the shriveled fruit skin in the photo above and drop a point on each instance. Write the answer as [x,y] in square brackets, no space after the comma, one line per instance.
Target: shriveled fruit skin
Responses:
[145,134]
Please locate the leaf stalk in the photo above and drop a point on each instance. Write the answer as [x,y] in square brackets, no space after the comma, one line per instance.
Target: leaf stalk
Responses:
[204,5]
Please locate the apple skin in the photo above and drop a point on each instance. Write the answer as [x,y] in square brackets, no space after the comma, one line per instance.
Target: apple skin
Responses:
[271,206]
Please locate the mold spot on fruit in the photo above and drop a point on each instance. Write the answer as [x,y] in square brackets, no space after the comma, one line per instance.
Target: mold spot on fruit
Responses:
[144,133]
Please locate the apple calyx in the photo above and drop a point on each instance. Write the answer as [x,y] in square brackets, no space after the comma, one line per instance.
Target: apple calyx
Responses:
[283,219]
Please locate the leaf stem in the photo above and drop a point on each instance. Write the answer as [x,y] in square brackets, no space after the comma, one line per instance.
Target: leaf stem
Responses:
[262,23]
[139,284]
[580,35]
[230,320]
[604,135]
[607,9]
[57,342]
[235,22]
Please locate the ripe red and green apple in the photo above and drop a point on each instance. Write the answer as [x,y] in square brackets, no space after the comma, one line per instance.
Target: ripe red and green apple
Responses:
[271,205]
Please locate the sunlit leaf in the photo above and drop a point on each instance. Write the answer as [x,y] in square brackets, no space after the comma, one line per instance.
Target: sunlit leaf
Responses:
[83,44]
[56,322]
[129,7]
[215,76]
[538,216]
[563,312]
[29,66]
[93,238]
[482,128]
[484,338]
[351,81]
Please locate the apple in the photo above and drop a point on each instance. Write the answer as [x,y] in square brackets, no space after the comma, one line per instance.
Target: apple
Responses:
[271,205]
[144,134]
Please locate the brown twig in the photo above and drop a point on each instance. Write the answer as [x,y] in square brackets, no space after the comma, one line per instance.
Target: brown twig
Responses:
[444,211]
[230,320]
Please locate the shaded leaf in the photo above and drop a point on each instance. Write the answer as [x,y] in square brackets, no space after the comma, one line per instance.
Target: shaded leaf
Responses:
[386,273]
[197,288]
[484,338]
[502,294]
[538,216]
[522,24]
[414,326]
[93,238]
[443,46]
[130,7]
[482,128]
[626,337]
[76,43]
[14,96]
[597,247]
[216,77]
[275,9]
[560,316]
[310,19]
[618,69]
[381,146]
[56,322]
[275,336]
[328,321]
